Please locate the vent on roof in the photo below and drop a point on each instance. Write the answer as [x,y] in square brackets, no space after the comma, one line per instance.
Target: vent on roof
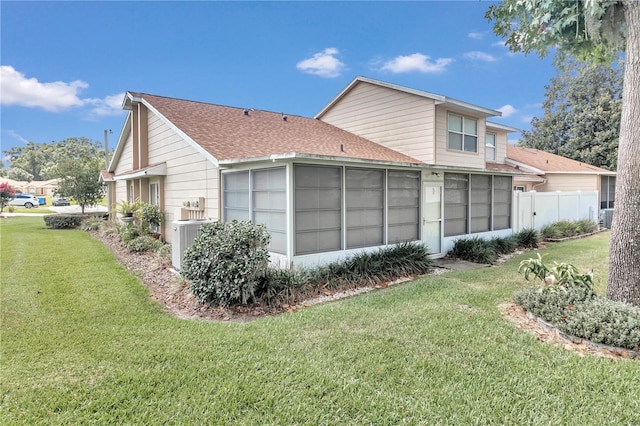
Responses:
[246,112]
[284,117]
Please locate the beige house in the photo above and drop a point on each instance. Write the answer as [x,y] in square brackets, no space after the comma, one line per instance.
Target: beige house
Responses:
[380,164]
[34,187]
[556,173]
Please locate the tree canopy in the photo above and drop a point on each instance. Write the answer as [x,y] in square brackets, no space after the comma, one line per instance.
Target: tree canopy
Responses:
[36,161]
[582,110]
[594,30]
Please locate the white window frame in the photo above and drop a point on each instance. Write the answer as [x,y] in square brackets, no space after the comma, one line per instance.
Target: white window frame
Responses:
[464,132]
[490,147]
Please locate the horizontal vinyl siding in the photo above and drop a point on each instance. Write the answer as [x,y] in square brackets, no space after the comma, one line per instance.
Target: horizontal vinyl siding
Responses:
[397,120]
[125,162]
[566,182]
[448,157]
[189,174]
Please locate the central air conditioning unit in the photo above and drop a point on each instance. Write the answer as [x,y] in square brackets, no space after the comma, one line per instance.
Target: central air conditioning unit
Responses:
[606,217]
[184,234]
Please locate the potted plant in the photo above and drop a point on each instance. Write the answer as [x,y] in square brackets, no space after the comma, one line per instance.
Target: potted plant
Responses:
[128,208]
[151,217]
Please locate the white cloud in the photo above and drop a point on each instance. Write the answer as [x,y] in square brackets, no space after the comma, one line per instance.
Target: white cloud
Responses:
[476,35]
[322,64]
[111,105]
[507,110]
[55,96]
[480,56]
[17,136]
[416,62]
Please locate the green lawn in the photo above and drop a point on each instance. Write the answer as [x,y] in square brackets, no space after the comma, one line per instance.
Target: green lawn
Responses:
[82,343]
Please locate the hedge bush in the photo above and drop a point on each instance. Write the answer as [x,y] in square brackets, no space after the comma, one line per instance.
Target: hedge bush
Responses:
[580,312]
[479,250]
[227,261]
[62,221]
[143,244]
[568,228]
[362,269]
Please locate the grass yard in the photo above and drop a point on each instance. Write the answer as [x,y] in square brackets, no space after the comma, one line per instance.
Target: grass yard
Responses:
[82,343]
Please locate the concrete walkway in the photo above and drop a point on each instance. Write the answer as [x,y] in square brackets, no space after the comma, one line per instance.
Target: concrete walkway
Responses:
[458,265]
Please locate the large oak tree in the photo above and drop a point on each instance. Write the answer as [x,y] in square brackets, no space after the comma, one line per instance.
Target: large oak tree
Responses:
[594,30]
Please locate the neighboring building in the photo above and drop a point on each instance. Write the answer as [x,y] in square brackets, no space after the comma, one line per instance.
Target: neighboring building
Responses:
[556,173]
[380,164]
[34,187]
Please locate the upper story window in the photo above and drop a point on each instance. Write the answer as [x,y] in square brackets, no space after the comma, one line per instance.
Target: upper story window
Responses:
[463,133]
[490,146]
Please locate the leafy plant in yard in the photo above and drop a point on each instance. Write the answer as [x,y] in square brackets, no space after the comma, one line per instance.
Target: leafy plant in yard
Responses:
[7,192]
[504,245]
[580,312]
[62,221]
[92,223]
[150,217]
[143,243]
[227,261]
[474,249]
[560,275]
[527,238]
[128,232]
[568,228]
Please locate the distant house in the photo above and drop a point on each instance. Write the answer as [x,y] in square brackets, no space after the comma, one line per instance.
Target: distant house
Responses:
[34,187]
[556,173]
[380,164]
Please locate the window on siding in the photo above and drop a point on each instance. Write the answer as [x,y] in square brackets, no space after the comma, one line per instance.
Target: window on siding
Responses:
[236,196]
[480,203]
[607,192]
[269,205]
[403,199]
[456,199]
[318,207]
[463,133]
[365,207]
[502,202]
[490,147]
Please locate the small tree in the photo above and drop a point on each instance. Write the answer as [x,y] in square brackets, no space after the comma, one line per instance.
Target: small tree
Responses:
[6,194]
[80,181]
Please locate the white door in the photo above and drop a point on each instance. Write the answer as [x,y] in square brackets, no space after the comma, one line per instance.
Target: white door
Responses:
[432,217]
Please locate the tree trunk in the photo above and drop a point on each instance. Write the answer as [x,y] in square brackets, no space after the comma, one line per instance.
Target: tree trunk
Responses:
[624,253]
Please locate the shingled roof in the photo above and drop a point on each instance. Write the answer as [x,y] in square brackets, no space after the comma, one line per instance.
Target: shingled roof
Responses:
[550,163]
[229,133]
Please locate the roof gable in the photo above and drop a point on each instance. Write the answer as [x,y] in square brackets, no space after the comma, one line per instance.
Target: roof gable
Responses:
[550,163]
[450,103]
[230,133]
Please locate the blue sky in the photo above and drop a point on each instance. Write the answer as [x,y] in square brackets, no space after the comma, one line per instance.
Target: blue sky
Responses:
[66,65]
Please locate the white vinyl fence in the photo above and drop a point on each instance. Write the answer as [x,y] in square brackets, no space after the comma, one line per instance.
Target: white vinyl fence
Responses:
[537,209]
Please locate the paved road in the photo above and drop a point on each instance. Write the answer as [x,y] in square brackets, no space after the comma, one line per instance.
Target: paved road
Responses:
[58,209]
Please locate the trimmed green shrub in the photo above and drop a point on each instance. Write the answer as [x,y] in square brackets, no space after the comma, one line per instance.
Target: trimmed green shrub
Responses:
[578,311]
[144,243]
[62,221]
[227,262]
[527,238]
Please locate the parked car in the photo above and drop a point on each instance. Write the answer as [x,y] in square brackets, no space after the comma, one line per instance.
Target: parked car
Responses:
[60,201]
[25,200]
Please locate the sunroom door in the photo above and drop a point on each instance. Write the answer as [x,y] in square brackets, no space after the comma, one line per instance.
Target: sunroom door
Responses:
[432,217]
